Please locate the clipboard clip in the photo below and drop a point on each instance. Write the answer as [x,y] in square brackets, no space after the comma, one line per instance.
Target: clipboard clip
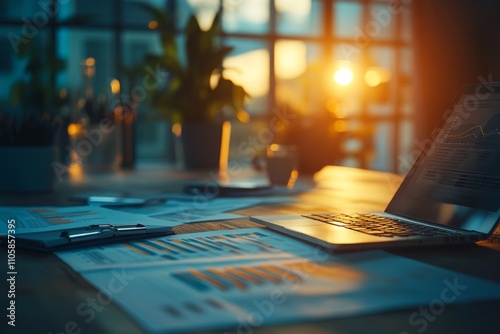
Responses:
[102,230]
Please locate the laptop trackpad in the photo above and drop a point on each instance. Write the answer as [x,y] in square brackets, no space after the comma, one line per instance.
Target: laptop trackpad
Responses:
[334,234]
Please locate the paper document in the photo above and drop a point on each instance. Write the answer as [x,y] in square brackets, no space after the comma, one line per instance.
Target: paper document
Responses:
[52,228]
[200,209]
[240,280]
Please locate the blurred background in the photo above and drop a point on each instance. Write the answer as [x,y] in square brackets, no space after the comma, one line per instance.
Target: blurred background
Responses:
[349,82]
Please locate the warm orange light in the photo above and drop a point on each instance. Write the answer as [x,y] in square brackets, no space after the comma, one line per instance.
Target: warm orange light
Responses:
[75,171]
[291,59]
[343,76]
[333,107]
[340,126]
[273,148]
[293,178]
[90,61]
[214,79]
[374,76]
[153,25]
[74,129]
[177,129]
[89,71]
[115,86]
[224,147]
[243,116]
[249,69]
[63,93]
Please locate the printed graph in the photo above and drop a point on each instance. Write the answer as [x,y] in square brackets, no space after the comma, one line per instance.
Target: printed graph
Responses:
[239,278]
[479,130]
[187,247]
[475,134]
[231,244]
[58,217]
[244,277]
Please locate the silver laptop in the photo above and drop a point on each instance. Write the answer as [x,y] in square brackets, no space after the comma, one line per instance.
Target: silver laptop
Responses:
[450,195]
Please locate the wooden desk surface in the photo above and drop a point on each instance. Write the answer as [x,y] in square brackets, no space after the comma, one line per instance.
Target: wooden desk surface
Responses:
[48,293]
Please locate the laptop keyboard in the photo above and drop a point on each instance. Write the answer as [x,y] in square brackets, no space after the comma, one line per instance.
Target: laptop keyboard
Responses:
[378,225]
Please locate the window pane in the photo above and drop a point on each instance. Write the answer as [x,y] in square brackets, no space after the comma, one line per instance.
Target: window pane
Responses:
[381,23]
[347,19]
[378,79]
[345,79]
[33,11]
[298,76]
[299,17]
[77,46]
[89,11]
[406,22]
[16,52]
[11,64]
[134,14]
[406,75]
[246,16]
[383,146]
[248,65]
[407,153]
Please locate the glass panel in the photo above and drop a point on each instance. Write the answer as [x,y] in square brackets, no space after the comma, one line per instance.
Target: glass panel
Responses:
[406,33]
[248,65]
[139,78]
[344,75]
[34,12]
[381,23]
[137,44]
[205,11]
[298,75]
[154,139]
[406,74]
[88,11]
[378,78]
[246,16]
[407,153]
[17,51]
[11,64]
[383,146]
[76,46]
[347,19]
[298,17]
[134,14]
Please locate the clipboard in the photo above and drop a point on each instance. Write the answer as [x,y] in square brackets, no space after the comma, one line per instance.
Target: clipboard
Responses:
[93,235]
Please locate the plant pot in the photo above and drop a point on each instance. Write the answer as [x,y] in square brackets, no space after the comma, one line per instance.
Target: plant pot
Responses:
[25,169]
[201,145]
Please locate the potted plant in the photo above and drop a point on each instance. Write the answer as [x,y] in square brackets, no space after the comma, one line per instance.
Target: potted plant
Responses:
[28,131]
[195,93]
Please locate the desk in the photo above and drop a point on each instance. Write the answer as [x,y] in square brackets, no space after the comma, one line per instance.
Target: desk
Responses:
[48,293]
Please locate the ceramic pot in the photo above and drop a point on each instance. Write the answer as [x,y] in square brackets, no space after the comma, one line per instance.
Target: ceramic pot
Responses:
[201,145]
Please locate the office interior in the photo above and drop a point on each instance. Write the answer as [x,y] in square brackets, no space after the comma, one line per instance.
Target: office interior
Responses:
[354,84]
[368,79]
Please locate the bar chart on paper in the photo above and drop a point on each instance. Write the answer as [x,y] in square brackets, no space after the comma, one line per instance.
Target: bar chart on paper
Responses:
[241,244]
[212,280]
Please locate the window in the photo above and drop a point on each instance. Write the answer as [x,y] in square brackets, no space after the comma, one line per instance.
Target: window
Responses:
[349,58]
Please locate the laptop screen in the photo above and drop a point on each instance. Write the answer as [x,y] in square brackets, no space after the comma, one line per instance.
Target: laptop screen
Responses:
[456,179]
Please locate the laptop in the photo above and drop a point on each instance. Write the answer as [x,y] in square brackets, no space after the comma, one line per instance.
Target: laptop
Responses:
[451,194]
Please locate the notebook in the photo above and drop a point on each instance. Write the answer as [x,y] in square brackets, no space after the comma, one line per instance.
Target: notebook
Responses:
[450,195]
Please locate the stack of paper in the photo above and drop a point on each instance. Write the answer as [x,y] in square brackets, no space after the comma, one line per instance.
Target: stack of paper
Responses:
[244,279]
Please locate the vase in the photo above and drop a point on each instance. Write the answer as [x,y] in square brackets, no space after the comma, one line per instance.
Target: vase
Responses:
[27,169]
[202,143]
